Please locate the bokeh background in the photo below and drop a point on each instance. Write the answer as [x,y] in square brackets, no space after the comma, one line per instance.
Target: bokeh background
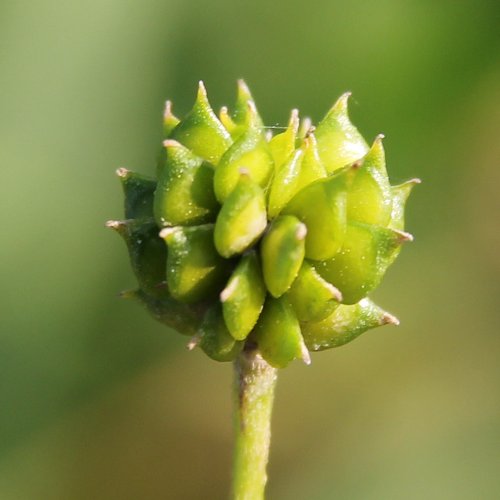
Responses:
[97,401]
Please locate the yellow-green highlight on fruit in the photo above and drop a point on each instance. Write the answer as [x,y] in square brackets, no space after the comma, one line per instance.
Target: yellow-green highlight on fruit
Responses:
[365,255]
[181,197]
[215,339]
[250,152]
[242,218]
[243,297]
[201,131]
[322,207]
[263,239]
[339,142]
[312,297]
[194,268]
[370,199]
[302,167]
[278,334]
[282,250]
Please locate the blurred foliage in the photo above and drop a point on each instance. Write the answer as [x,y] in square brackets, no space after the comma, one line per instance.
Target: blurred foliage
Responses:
[97,400]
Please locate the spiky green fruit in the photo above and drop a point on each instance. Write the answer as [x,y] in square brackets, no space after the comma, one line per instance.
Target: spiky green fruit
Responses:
[271,242]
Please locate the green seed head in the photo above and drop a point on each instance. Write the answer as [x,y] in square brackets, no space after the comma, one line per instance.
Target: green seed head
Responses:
[271,242]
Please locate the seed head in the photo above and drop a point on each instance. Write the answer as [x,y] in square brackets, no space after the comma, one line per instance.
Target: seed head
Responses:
[271,241]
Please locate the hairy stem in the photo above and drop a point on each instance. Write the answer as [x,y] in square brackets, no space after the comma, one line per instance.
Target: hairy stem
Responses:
[253,401]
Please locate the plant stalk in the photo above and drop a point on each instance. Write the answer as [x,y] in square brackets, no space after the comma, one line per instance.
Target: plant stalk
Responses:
[254,384]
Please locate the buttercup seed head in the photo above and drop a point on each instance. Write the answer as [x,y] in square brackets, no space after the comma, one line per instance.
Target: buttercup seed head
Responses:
[249,239]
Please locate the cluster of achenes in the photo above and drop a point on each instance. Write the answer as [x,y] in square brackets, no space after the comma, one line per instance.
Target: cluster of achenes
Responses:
[272,242]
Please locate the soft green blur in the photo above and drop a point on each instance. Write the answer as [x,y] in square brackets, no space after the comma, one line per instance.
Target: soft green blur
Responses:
[99,401]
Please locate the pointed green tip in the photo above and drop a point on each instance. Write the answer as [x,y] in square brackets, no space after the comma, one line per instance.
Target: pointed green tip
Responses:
[245,111]
[243,91]
[201,101]
[375,156]
[168,115]
[402,191]
[252,118]
[376,151]
[341,104]
[202,91]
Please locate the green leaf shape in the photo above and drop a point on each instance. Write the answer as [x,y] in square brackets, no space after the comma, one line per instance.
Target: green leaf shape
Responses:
[345,324]
[322,207]
[339,142]
[301,169]
[216,341]
[369,197]
[195,270]
[359,266]
[242,218]
[312,298]
[183,195]
[400,195]
[201,131]
[138,191]
[170,121]
[282,251]
[251,152]
[243,297]
[278,335]
[183,318]
[147,253]
[283,145]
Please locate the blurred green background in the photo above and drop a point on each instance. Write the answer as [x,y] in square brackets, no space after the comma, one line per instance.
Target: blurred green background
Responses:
[99,401]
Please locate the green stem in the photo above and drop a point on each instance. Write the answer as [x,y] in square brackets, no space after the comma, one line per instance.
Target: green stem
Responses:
[253,401]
